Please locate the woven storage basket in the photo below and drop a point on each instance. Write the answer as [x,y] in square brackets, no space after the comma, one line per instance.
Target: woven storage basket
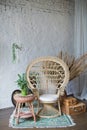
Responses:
[72,106]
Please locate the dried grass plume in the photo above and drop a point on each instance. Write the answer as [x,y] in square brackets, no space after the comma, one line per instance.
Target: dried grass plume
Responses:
[76,66]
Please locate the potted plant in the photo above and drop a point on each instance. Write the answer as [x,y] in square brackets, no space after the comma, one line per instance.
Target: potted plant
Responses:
[22,83]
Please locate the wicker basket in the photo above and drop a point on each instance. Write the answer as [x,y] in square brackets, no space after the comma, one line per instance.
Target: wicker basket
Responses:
[72,106]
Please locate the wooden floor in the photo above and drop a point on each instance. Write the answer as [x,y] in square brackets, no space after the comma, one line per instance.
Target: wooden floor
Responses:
[80,120]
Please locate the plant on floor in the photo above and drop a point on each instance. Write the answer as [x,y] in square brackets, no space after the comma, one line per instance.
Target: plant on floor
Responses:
[22,83]
[76,66]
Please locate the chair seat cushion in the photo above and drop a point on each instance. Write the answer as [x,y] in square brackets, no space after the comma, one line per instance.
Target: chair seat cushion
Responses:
[48,97]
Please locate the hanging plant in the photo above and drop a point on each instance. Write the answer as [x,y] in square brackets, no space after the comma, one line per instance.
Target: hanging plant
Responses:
[14,47]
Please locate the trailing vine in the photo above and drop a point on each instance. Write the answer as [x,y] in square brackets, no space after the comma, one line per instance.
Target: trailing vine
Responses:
[14,47]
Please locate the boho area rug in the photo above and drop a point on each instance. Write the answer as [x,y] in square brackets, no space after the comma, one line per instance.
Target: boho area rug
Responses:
[58,122]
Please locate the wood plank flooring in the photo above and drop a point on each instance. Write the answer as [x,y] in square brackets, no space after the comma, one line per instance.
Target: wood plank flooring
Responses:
[80,120]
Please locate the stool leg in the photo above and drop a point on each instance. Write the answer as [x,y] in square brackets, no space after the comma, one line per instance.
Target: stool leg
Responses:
[16,108]
[32,110]
[18,113]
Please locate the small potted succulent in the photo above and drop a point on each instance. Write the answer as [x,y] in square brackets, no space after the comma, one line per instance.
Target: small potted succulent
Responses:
[22,83]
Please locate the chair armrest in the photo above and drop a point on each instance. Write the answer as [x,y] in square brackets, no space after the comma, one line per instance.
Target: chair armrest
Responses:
[36,93]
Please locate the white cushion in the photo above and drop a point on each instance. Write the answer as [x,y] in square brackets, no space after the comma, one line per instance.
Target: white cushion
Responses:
[48,97]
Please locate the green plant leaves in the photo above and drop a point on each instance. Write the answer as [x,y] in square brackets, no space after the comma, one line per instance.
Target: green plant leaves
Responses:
[22,82]
[14,47]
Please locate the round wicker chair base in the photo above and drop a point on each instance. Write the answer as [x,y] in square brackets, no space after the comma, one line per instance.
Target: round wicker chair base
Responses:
[48,111]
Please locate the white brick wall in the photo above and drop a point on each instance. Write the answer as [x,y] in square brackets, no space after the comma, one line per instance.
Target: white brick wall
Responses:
[41,27]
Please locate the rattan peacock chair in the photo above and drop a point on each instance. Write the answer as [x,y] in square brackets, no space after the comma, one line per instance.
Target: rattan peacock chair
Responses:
[47,78]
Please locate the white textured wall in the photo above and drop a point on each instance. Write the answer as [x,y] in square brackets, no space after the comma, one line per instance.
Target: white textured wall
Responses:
[41,27]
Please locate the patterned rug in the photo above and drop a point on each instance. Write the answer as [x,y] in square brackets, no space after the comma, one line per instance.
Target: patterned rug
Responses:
[61,121]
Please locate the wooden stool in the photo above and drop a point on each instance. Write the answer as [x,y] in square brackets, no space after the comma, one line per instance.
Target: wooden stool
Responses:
[20,100]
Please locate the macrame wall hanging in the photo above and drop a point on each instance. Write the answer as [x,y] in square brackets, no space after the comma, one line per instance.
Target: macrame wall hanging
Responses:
[15,47]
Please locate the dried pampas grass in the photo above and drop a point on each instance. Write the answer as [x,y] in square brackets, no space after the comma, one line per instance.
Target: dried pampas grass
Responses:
[76,66]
